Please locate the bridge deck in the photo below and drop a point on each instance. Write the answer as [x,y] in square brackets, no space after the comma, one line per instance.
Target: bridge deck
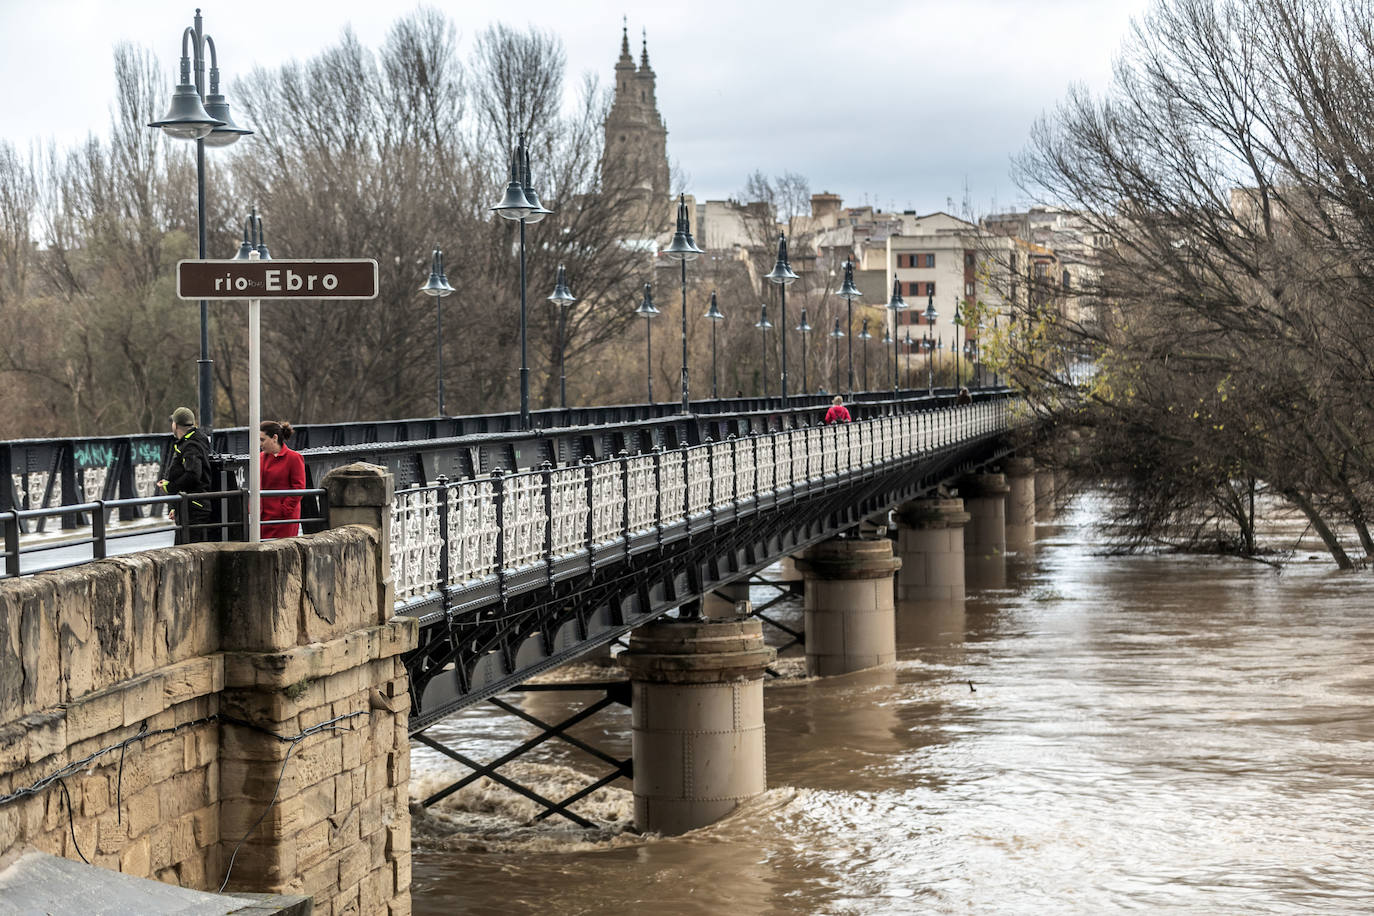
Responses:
[519,550]
[512,574]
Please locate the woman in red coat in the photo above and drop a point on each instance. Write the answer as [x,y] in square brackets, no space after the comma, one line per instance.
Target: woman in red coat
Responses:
[282,469]
[837,413]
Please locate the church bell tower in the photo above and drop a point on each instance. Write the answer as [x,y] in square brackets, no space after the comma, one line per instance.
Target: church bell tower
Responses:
[636,138]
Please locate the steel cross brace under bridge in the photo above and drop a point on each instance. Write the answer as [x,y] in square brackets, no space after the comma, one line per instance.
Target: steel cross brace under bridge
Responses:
[542,566]
[614,692]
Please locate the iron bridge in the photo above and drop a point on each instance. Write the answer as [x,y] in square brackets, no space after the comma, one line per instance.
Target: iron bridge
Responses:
[520,549]
[517,571]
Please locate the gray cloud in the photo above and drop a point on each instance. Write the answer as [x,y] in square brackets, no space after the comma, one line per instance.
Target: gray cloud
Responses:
[898,102]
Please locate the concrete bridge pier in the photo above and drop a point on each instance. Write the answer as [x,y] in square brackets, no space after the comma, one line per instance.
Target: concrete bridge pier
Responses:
[1062,491]
[850,618]
[985,537]
[1044,493]
[1020,508]
[697,713]
[790,572]
[930,544]
[723,601]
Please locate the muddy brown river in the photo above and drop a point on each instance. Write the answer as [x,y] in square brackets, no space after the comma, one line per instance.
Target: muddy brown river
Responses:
[1097,734]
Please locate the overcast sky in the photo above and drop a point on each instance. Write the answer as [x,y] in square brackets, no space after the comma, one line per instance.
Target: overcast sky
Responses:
[894,103]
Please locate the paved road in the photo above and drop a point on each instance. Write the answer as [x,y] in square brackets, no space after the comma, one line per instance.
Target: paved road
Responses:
[61,553]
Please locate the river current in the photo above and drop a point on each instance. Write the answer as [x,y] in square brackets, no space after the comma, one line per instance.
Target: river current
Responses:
[1095,734]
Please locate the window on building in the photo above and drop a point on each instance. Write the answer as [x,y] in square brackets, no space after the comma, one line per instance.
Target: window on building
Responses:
[930,260]
[930,288]
[1013,261]
[913,289]
[1066,279]
[968,289]
[969,260]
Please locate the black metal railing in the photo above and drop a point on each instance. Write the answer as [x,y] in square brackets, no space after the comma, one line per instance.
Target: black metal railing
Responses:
[48,473]
[510,531]
[95,526]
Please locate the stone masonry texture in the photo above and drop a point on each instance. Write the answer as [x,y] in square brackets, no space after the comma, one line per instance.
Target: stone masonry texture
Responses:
[207,663]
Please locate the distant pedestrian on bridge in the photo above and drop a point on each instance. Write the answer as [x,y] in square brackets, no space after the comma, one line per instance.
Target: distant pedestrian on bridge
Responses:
[282,469]
[188,471]
[837,413]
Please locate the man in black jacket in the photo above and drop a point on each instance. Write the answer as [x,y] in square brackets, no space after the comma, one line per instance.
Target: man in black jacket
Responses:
[188,471]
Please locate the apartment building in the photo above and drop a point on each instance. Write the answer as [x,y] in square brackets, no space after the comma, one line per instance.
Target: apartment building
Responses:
[1059,254]
[938,260]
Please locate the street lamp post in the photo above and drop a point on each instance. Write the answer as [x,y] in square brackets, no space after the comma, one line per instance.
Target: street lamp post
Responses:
[865,337]
[648,311]
[980,369]
[252,240]
[849,292]
[193,115]
[783,276]
[889,339]
[713,314]
[909,343]
[996,381]
[954,347]
[764,326]
[928,348]
[562,297]
[683,249]
[837,334]
[438,287]
[894,305]
[931,317]
[805,329]
[521,203]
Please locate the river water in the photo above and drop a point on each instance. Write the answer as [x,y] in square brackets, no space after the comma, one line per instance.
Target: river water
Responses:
[1098,734]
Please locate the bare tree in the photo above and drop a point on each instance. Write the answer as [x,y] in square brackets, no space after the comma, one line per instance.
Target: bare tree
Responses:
[1229,167]
[385,153]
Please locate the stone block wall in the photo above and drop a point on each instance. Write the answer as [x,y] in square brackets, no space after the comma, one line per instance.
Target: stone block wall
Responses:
[192,696]
[340,828]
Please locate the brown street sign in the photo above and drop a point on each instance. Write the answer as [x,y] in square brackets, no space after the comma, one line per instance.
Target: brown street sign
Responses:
[337,278]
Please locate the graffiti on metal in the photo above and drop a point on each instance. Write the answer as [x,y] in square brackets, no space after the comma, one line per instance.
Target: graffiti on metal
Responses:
[106,454]
[94,455]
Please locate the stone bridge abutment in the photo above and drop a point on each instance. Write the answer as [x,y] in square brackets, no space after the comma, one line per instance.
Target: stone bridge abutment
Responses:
[213,710]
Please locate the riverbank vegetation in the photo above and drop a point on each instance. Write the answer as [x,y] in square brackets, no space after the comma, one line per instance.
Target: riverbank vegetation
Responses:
[383,153]
[1231,315]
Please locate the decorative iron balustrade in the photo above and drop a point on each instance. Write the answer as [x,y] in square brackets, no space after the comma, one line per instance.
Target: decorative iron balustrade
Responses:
[51,473]
[470,531]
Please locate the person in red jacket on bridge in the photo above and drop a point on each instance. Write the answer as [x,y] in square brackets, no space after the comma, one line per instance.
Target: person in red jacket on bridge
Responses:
[282,469]
[837,413]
